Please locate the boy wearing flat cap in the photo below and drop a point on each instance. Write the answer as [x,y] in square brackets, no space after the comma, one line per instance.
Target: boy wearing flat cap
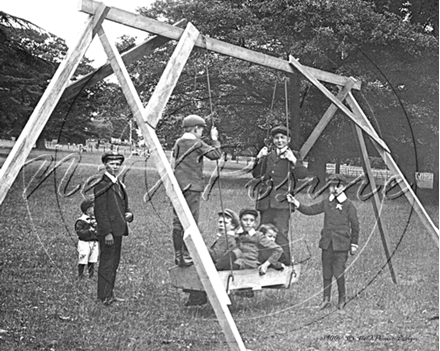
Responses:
[224,250]
[339,236]
[112,215]
[188,153]
[273,168]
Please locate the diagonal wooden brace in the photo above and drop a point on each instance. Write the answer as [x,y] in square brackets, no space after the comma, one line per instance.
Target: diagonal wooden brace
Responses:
[202,260]
[136,53]
[46,105]
[325,120]
[375,198]
[364,124]
[394,168]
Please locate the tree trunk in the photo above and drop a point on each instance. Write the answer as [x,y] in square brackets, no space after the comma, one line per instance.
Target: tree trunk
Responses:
[338,165]
[41,144]
[318,167]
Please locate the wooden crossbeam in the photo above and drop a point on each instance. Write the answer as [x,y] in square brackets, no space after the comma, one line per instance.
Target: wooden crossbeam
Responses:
[364,124]
[158,28]
[136,53]
[202,260]
[325,119]
[37,121]
[375,198]
[394,168]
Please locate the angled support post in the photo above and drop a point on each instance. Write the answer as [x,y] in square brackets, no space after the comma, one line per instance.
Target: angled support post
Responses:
[394,168]
[146,119]
[365,125]
[136,53]
[47,103]
[375,199]
[325,120]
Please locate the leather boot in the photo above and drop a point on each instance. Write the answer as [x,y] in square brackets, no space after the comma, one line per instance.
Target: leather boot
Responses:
[341,303]
[178,257]
[186,259]
[325,303]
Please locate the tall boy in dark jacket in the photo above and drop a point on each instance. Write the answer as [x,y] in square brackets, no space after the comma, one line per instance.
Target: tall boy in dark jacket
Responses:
[112,214]
[339,236]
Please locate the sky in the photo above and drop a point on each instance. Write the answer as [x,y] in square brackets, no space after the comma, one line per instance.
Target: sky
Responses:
[62,18]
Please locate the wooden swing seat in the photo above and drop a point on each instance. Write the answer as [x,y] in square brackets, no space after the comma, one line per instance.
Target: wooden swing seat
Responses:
[186,278]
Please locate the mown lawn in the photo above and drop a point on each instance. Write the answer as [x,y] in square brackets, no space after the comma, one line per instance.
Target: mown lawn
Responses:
[44,307]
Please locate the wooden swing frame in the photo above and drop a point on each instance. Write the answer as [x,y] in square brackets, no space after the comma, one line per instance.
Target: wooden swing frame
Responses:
[148,117]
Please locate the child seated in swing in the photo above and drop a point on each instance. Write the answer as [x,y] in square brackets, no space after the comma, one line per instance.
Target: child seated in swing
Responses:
[224,250]
[270,232]
[251,242]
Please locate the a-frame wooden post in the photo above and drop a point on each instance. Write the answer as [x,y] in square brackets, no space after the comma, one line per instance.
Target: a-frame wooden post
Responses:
[375,197]
[147,119]
[37,121]
[394,168]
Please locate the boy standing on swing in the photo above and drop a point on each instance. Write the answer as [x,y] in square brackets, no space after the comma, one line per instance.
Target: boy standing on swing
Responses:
[188,153]
[277,169]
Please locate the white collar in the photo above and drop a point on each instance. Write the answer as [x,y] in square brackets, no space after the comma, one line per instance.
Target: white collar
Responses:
[85,217]
[283,150]
[341,197]
[230,232]
[189,136]
[250,232]
[111,177]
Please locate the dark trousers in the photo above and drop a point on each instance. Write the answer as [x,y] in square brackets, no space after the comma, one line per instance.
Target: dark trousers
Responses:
[333,265]
[193,200]
[280,218]
[108,264]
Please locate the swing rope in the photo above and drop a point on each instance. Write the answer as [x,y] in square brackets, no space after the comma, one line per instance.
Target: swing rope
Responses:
[211,107]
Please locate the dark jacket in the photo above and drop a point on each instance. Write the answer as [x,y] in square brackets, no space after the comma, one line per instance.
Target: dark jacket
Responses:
[111,204]
[341,224]
[84,229]
[251,245]
[188,164]
[273,171]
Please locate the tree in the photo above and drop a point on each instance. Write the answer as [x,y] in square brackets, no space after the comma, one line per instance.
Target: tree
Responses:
[373,43]
[29,56]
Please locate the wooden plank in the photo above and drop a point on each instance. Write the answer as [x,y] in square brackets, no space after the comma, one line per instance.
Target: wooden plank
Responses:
[325,120]
[364,124]
[187,278]
[37,121]
[136,53]
[170,75]
[194,240]
[158,28]
[394,168]
[375,198]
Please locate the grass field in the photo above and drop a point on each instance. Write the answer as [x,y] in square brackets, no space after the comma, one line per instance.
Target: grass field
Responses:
[44,307]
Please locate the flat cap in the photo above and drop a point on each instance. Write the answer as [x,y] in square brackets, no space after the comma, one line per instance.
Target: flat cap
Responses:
[279,129]
[86,204]
[193,121]
[337,179]
[250,211]
[231,214]
[111,156]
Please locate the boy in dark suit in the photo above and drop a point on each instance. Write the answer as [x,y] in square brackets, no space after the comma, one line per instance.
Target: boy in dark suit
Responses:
[339,236]
[277,169]
[112,214]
